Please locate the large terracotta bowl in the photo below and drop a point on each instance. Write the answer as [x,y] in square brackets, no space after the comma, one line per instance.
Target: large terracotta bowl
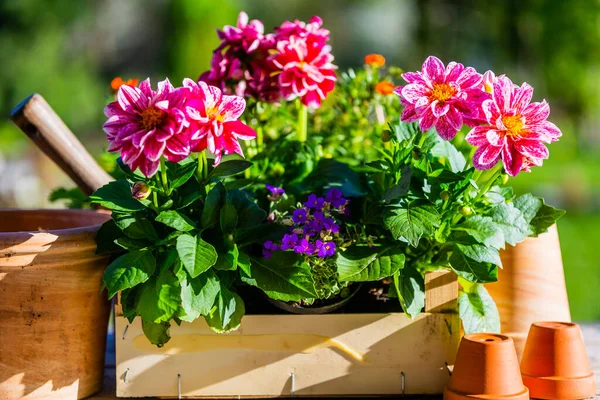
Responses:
[53,313]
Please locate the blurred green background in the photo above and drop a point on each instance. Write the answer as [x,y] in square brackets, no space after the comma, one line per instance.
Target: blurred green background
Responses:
[70,50]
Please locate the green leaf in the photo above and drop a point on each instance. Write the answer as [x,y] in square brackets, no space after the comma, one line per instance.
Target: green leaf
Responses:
[157,334]
[244,263]
[285,276]
[409,286]
[136,227]
[248,213]
[229,168]
[227,257]
[128,271]
[510,222]
[330,174]
[455,159]
[179,174]
[410,222]
[539,215]
[128,303]
[159,298]
[478,311]
[471,270]
[131,244]
[361,263]
[189,193]
[116,196]
[227,313]
[545,218]
[212,206]
[484,230]
[228,217]
[196,255]
[176,220]
[401,189]
[198,295]
[480,253]
[259,234]
[106,236]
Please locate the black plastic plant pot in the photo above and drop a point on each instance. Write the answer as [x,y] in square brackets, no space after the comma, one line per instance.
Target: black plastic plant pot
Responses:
[295,308]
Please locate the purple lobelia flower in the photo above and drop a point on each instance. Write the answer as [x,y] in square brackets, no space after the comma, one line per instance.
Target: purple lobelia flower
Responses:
[300,216]
[312,228]
[268,248]
[334,197]
[305,247]
[276,192]
[330,225]
[314,202]
[325,249]
[289,241]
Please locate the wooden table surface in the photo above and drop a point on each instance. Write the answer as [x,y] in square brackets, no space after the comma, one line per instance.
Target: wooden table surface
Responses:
[591,334]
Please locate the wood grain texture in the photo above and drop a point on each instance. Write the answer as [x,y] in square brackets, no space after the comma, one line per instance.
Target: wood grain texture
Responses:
[53,315]
[591,335]
[259,359]
[321,350]
[531,286]
[44,127]
[441,291]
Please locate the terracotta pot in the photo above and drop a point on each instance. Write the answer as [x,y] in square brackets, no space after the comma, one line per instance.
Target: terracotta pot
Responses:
[486,367]
[555,363]
[53,314]
[531,286]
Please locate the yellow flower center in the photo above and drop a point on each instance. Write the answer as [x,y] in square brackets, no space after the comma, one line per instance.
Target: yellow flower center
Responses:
[213,113]
[442,92]
[513,124]
[150,118]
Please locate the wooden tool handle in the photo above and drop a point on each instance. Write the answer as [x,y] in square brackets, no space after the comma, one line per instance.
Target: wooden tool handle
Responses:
[38,120]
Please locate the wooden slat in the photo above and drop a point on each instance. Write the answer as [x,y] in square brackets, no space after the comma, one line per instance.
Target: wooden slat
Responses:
[441,292]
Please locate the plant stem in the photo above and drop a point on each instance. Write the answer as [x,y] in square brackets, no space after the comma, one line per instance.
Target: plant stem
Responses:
[302,127]
[202,166]
[484,189]
[259,138]
[155,200]
[163,175]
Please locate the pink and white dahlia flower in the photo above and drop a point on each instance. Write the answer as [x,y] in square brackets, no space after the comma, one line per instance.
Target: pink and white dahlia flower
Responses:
[213,119]
[440,97]
[144,125]
[246,36]
[515,129]
[302,30]
[307,71]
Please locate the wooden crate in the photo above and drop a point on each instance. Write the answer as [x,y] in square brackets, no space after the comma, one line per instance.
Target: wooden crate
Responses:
[298,355]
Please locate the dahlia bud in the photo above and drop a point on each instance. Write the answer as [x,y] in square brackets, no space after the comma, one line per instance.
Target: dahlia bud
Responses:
[386,136]
[416,153]
[466,210]
[140,191]
[504,179]
[445,195]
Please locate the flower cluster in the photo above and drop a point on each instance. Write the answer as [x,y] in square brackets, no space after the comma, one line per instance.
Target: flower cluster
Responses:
[293,62]
[312,227]
[506,124]
[145,125]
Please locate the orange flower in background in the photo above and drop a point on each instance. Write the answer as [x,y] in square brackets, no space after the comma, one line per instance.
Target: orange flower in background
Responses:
[117,82]
[385,88]
[375,60]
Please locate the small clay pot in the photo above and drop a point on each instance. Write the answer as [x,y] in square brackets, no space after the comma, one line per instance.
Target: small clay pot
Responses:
[555,364]
[487,368]
[531,286]
[294,308]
